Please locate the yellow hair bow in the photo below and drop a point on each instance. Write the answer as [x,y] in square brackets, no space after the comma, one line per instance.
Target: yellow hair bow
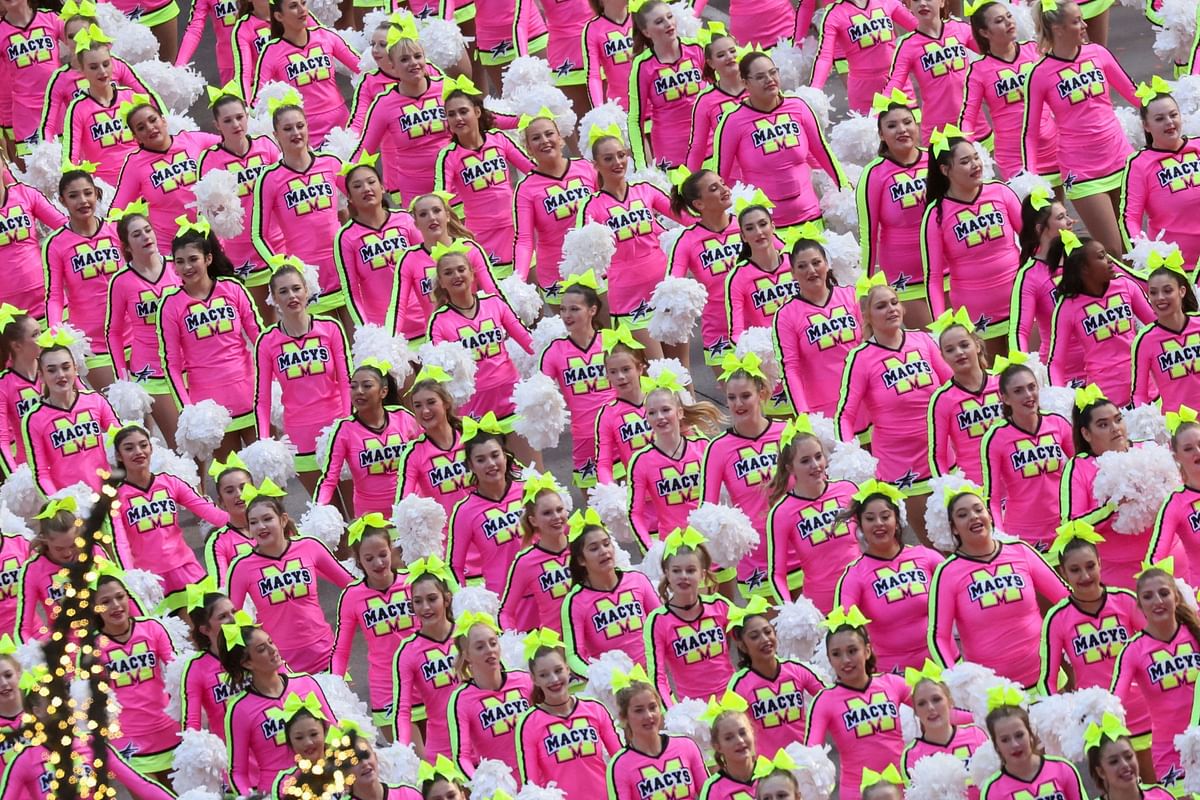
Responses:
[469,619]
[810,231]
[268,488]
[439,250]
[587,278]
[730,701]
[1014,358]
[445,197]
[545,482]
[677,175]
[461,84]
[443,768]
[7,645]
[1049,6]
[841,617]
[1088,395]
[1167,565]
[682,537]
[1185,414]
[939,140]
[611,337]
[543,113]
[636,5]
[91,35]
[1040,197]
[1110,728]
[232,631]
[579,520]
[139,207]
[8,314]
[433,566]
[488,424]
[1172,260]
[71,9]
[55,506]
[756,606]
[598,132]
[764,766]
[380,364]
[713,29]
[949,318]
[666,379]
[547,638]
[969,8]
[864,284]
[794,427]
[367,160]
[1067,533]
[356,529]
[929,671]
[898,97]
[949,494]
[1070,241]
[131,105]
[110,435]
[231,89]
[432,372]
[233,462]
[32,680]
[290,98]
[55,337]
[195,593]
[750,363]
[889,775]
[293,704]
[623,680]
[871,487]
[405,28]
[1149,92]
[185,226]
[83,166]
[759,198]
[1004,696]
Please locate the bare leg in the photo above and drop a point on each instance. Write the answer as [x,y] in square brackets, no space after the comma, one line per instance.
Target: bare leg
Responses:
[915,507]
[996,347]
[265,309]
[166,417]
[100,378]
[168,39]
[681,351]
[653,348]
[916,314]
[1098,29]
[1099,216]
[524,453]
[580,102]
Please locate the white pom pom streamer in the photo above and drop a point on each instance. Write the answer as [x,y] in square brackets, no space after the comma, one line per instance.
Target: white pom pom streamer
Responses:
[129,401]
[687,24]
[677,305]
[420,524]
[611,502]
[820,102]
[1172,42]
[548,329]
[200,762]
[532,99]
[324,440]
[43,167]
[839,207]
[609,113]
[1067,724]
[526,363]
[1141,248]
[351,566]
[989,163]
[458,364]
[683,719]
[821,667]
[850,462]
[180,123]
[845,257]
[1023,183]
[1023,17]
[173,682]
[1146,423]
[815,772]
[83,497]
[29,654]
[20,494]
[969,684]
[1186,91]
[360,41]
[345,704]
[179,87]
[199,794]
[1138,481]
[512,650]
[376,341]
[937,523]
[600,674]
[668,238]
[651,565]
[798,629]
[475,599]
[524,299]
[146,586]
[761,342]
[326,12]
[939,776]
[217,199]
[1049,717]
[742,191]
[524,73]
[341,142]
[322,523]
[731,535]
[201,428]
[855,140]
[1057,400]
[398,764]
[180,633]
[132,41]
[910,728]
[81,348]
[795,65]
[1188,746]
[590,246]
[491,776]
[271,458]
[542,413]
[276,405]
[1131,124]
[984,763]
[11,524]
[443,41]
[531,791]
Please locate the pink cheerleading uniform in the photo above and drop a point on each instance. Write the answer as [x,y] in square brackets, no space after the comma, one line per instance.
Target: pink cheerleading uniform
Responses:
[538,581]
[30,59]
[245,169]
[18,396]
[408,132]
[224,15]
[68,82]
[371,84]
[491,530]
[866,36]
[608,59]
[964,741]
[222,548]
[94,131]
[753,296]
[664,489]
[10,738]
[894,594]
[545,209]
[813,342]
[209,341]
[284,592]
[505,28]
[571,750]
[1091,142]
[712,104]
[367,259]
[993,602]
[132,322]
[938,67]
[429,471]
[411,303]
[423,671]
[1175,533]
[1162,185]
[863,724]
[583,382]
[1056,778]
[135,672]
[621,431]
[762,22]
[255,734]
[147,533]
[66,445]
[483,335]
[1166,672]
[309,69]
[295,213]
[677,772]
[483,722]
[79,270]
[595,621]
[958,419]
[893,389]
[1102,328]
[164,179]
[1164,365]
[250,37]
[372,456]
[14,552]
[891,203]
[30,775]
[720,786]
[975,242]
[999,86]
[1034,295]
[692,656]
[40,588]
[385,619]
[21,207]
[812,539]
[773,150]
[777,707]
[207,692]
[663,95]
[708,256]
[1022,471]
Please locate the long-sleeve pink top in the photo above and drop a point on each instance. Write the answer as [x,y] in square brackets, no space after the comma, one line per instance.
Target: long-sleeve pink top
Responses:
[1162,185]
[595,621]
[367,260]
[164,179]
[1165,363]
[813,341]
[608,59]
[312,370]
[372,456]
[958,419]
[309,69]
[813,537]
[661,96]
[66,445]
[891,203]
[572,750]
[544,210]
[1022,471]
[386,619]
[408,132]
[79,270]
[131,321]
[483,722]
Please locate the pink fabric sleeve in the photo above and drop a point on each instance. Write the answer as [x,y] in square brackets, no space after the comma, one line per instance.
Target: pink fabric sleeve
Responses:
[939,436]
[814,729]
[1046,581]
[805,11]
[994,477]
[735,302]
[374,126]
[186,496]
[1052,650]
[192,692]
[262,389]
[463,748]
[972,109]
[45,213]
[902,58]
[172,354]
[1026,308]
[39,456]
[55,284]
[639,503]
[523,222]
[330,568]
[1061,341]
[458,542]
[701,137]
[1118,78]
[902,16]
[1035,99]
[853,389]
[236,586]
[941,623]
[823,66]
[344,53]
[1133,193]
[339,451]
[849,588]
[517,157]
[404,700]
[248,312]
[195,30]
[712,477]
[604,451]
[1124,671]
[787,336]
[869,196]
[1141,306]
[592,57]
[1142,384]
[347,624]
[934,259]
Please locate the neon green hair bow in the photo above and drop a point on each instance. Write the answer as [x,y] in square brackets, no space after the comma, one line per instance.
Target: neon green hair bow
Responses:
[139,207]
[462,84]
[83,166]
[233,462]
[1040,197]
[7,646]
[488,424]
[1184,415]
[811,231]
[1014,358]
[864,284]
[33,680]
[949,318]
[267,488]
[764,766]
[750,363]
[131,105]
[195,593]
[623,680]
[730,701]
[8,314]
[290,98]
[443,768]
[587,278]
[882,102]
[469,619]
[380,364]
[431,565]
[794,427]
[89,36]
[666,380]
[598,132]
[1149,92]
[55,337]
[406,28]
[1049,6]
[356,529]
[759,198]
[677,175]
[432,372]
[231,89]
[1088,395]
[713,29]
[1172,260]
[233,632]
[458,246]
[1167,565]
[367,160]
[929,671]
[889,775]
[54,506]
[611,337]
[683,537]
[579,520]
[293,704]
[1110,728]
[998,696]
[872,487]
[185,225]
[939,140]
[1069,532]
[841,617]
[542,113]
[950,493]
[547,638]
[756,606]
[546,482]
[969,8]
[71,10]
[1070,241]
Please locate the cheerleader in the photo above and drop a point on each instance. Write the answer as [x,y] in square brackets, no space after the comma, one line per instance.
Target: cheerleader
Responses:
[891,201]
[206,687]
[474,167]
[29,39]
[889,380]
[254,725]
[484,709]
[664,80]
[1113,764]
[869,739]
[776,782]
[1098,312]
[1024,457]
[20,384]
[251,33]
[539,577]
[280,579]
[226,543]
[723,94]
[740,461]
[1153,185]
[685,639]
[816,330]
[1024,769]
[433,463]
[965,407]
[991,591]
[1173,530]
[764,23]
[206,329]
[863,31]
[546,202]
[608,52]
[934,709]
[761,283]
[39,583]
[997,83]
[734,749]
[1035,289]
[485,526]
[64,433]
[80,259]
[423,674]
[224,17]
[301,55]
[546,732]
[621,425]
[379,603]
[969,232]
[1177,317]
[773,687]
[305,732]
[245,157]
[14,551]
[505,29]
[134,653]
[376,81]
[146,532]
[368,784]
[131,314]
[649,751]
[1072,82]
[95,130]
[295,204]
[12,705]
[607,607]
[665,476]
[890,580]
[22,206]
[777,162]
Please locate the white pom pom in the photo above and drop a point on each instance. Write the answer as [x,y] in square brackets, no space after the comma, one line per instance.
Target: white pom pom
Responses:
[984,763]
[1146,423]
[821,104]
[20,494]
[541,411]
[276,400]
[850,462]
[217,200]
[651,564]
[600,673]
[548,329]
[420,524]
[324,440]
[910,728]
[761,342]
[795,65]
[499,105]
[29,654]
[491,776]
[458,363]
[731,535]
[200,762]
[969,684]
[199,794]
[814,771]
[653,176]
[531,791]
[798,629]
[340,142]
[271,458]
[657,366]
[179,87]
[845,257]
[1083,707]
[1050,717]
[132,41]
[146,586]
[590,246]
[532,99]
[83,498]
[345,704]
[938,776]
[1131,124]
[937,524]
[43,167]
[327,12]
[376,341]
[1138,481]
[526,363]
[476,599]
[360,41]
[108,191]
[180,123]
[201,428]
[173,682]
[1188,594]
[988,163]
[855,140]
[668,238]
[81,348]
[1186,91]
[611,502]
[687,24]
[1023,17]
[443,41]
[609,113]
[512,650]
[820,666]
[323,523]
[742,191]
[677,305]
[271,90]
[524,73]
[1139,252]
[351,566]
[683,719]
[10,523]
[1172,42]
[398,764]
[1023,183]
[1187,744]
[129,401]
[525,301]
[839,206]
[1057,400]
[180,633]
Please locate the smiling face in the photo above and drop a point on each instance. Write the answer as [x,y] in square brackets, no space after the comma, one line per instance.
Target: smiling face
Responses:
[612,160]
[267,527]
[58,372]
[367,390]
[543,141]
[191,265]
[291,131]
[429,409]
[643,716]
[462,116]
[1020,392]
[455,277]
[80,196]
[1162,121]
[757,637]
[685,574]
[1186,449]
[134,452]
[1081,570]
[408,58]
[10,678]
[551,674]
[899,130]
[149,128]
[879,527]
[970,520]
[1166,295]
[549,514]
[306,737]
[112,604]
[487,462]
[810,271]
[733,739]
[430,604]
[663,413]
[964,169]
[1117,766]
[262,657]
[375,557]
[1157,598]
[745,399]
[809,464]
[848,655]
